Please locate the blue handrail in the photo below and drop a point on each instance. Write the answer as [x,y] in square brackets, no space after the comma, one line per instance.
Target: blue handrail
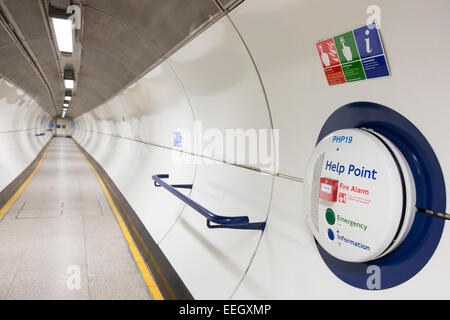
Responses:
[241,222]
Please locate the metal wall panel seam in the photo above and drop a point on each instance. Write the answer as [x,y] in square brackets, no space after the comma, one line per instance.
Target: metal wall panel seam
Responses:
[269,112]
[281,175]
[196,165]
[19,130]
[269,206]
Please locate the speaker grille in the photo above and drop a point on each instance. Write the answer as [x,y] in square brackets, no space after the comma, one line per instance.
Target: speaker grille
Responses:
[315,191]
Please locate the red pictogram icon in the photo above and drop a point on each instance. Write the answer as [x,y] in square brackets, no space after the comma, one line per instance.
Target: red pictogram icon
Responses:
[342,197]
[328,53]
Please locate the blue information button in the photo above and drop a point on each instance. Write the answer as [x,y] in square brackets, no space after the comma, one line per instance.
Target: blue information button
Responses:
[330,234]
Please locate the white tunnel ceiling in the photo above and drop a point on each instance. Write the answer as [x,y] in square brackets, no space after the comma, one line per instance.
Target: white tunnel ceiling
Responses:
[120,41]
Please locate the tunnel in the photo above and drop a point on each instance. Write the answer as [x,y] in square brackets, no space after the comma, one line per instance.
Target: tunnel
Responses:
[224,149]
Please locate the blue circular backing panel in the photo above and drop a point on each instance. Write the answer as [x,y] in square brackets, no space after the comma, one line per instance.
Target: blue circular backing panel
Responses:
[418,247]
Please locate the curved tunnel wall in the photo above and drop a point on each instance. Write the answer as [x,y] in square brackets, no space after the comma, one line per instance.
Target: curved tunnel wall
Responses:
[258,68]
[23,131]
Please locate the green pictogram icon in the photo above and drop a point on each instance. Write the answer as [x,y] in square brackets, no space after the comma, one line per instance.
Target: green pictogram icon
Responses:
[346,47]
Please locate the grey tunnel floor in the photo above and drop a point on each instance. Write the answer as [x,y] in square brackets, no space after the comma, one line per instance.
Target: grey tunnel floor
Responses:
[61,232]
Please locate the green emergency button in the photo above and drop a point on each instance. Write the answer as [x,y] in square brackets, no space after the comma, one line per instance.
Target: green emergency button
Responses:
[329,215]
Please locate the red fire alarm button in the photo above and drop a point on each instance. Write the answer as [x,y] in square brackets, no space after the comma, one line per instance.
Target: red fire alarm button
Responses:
[328,189]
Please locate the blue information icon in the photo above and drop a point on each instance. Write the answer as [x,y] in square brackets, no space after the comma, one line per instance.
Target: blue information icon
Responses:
[368,41]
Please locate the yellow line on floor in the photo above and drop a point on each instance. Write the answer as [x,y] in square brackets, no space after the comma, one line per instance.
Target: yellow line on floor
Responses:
[24,185]
[149,280]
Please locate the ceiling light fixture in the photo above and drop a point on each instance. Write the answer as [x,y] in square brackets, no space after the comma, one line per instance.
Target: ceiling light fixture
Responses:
[64,34]
[69,79]
[63,27]
[68,84]
[68,95]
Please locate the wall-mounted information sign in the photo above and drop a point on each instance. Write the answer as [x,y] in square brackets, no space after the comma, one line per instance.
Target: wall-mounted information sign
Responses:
[177,139]
[353,56]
